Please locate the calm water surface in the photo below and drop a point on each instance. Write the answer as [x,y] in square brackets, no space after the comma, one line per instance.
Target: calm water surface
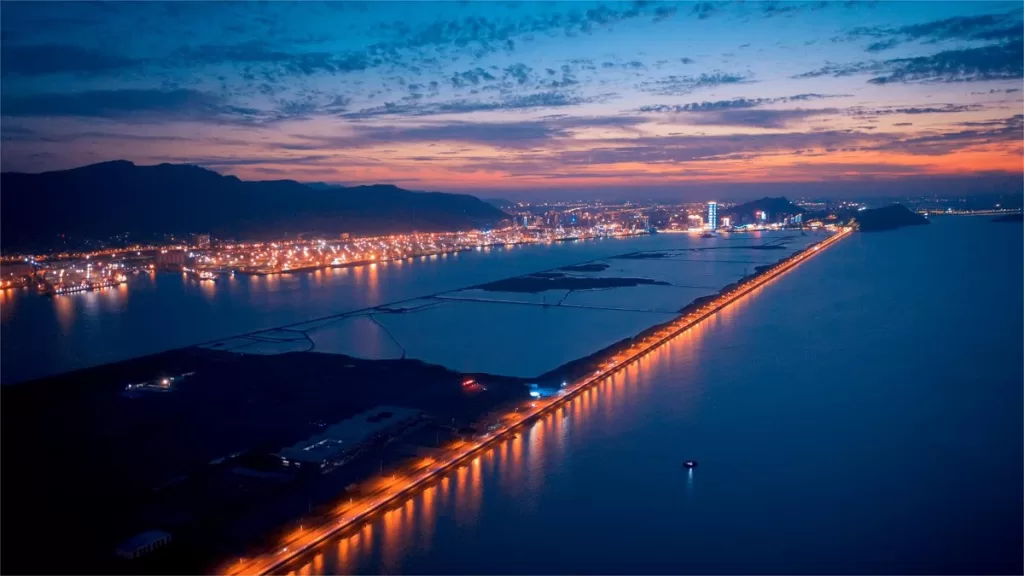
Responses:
[860,415]
[45,336]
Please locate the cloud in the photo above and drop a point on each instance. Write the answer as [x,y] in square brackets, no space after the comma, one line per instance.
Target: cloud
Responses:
[517,102]
[987,27]
[470,77]
[1007,130]
[755,118]
[995,62]
[487,35]
[519,72]
[503,135]
[677,85]
[664,12]
[997,91]
[704,10]
[259,52]
[735,103]
[882,45]
[153,105]
[941,109]
[688,148]
[681,149]
[770,8]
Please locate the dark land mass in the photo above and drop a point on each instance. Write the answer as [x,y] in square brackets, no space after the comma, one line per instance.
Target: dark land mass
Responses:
[500,202]
[543,281]
[113,198]
[772,206]
[654,255]
[83,461]
[1009,218]
[888,218]
[593,267]
[755,247]
[642,256]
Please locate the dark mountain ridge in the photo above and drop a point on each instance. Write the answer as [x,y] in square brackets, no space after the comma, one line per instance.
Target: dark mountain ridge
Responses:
[887,218]
[772,206]
[102,200]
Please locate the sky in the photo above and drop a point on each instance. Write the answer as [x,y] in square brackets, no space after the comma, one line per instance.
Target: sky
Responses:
[520,98]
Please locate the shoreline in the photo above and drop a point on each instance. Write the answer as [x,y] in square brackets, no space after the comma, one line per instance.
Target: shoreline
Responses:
[461,248]
[273,561]
[369,383]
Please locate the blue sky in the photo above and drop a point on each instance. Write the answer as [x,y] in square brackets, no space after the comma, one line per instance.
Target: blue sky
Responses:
[519,96]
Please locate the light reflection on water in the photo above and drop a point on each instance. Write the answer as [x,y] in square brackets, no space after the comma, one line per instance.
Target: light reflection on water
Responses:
[824,411]
[156,312]
[514,470]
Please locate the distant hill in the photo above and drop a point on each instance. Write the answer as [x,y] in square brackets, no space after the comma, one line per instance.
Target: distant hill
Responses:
[772,206]
[103,200]
[500,203]
[888,218]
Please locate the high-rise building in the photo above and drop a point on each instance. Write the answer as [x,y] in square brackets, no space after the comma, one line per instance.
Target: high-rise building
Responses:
[201,240]
[713,215]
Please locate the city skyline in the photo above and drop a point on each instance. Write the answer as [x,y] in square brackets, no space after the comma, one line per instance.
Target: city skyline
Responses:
[521,98]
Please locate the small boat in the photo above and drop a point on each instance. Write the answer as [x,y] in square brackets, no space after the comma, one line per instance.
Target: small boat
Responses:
[707,235]
[691,464]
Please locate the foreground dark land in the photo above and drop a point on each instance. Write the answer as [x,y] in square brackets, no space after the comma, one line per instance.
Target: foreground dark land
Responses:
[85,462]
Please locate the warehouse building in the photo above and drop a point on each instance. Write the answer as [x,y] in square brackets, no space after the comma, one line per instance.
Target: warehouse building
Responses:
[340,442]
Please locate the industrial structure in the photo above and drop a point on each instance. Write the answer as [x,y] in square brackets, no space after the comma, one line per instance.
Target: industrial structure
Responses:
[340,442]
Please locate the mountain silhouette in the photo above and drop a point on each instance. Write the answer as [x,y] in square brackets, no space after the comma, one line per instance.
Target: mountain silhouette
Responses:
[103,200]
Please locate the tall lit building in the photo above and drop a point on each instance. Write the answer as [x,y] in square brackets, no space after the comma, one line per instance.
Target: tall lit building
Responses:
[713,215]
[201,240]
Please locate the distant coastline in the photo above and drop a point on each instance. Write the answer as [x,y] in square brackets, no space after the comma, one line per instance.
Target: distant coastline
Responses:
[1018,218]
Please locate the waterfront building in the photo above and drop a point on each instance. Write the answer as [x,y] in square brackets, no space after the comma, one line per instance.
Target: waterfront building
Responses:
[713,215]
[201,241]
[340,441]
[170,258]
